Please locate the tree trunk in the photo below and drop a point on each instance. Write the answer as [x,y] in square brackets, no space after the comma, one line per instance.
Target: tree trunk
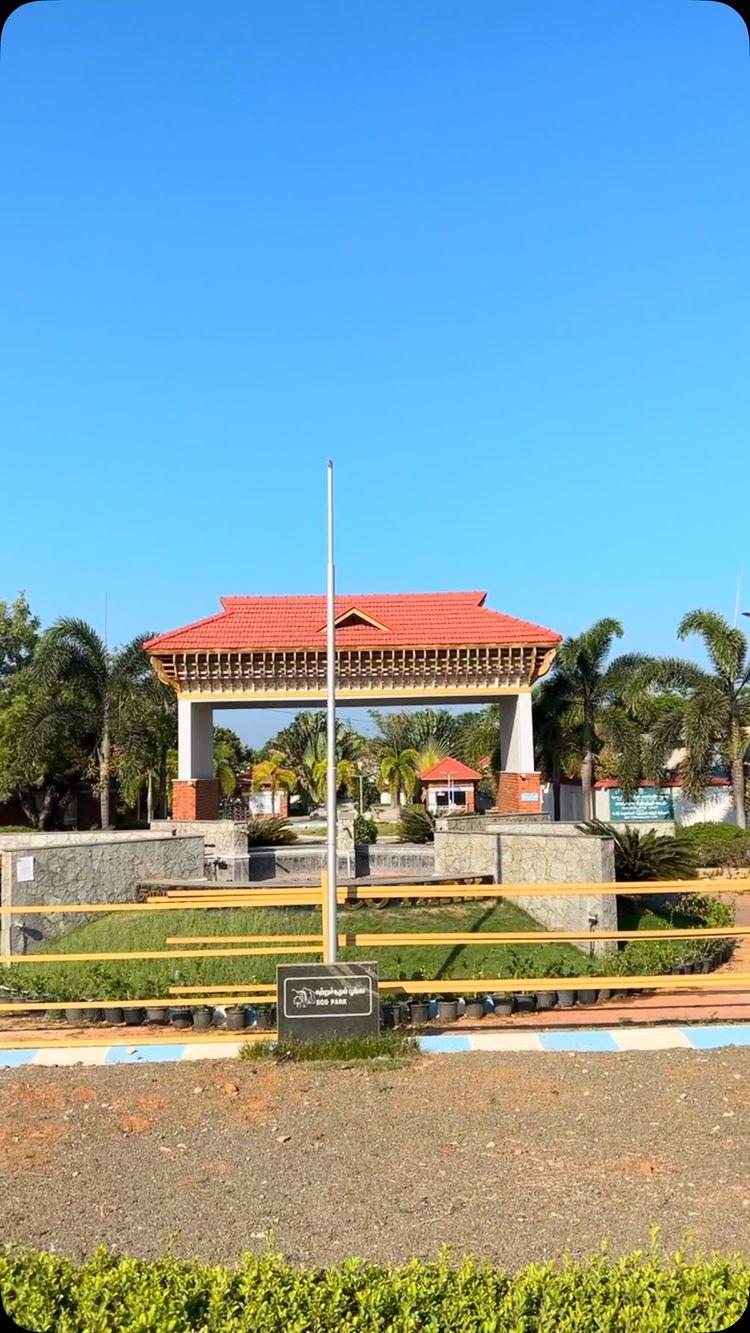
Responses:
[738,791]
[150,798]
[104,768]
[587,783]
[30,808]
[556,793]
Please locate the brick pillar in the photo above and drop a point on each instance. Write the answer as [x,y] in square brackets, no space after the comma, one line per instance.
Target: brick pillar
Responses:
[197,798]
[471,799]
[512,788]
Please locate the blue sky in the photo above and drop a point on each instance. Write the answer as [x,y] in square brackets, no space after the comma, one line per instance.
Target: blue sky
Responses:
[490,256]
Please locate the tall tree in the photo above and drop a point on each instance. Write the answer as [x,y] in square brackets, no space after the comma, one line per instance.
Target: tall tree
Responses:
[714,706]
[583,686]
[71,658]
[399,773]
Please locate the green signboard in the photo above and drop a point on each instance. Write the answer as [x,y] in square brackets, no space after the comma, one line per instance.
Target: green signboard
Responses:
[649,805]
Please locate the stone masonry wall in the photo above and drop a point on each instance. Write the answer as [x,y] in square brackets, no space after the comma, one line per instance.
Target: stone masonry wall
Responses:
[536,853]
[81,868]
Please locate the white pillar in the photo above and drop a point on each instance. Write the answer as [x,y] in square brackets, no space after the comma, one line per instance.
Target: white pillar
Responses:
[195,740]
[516,734]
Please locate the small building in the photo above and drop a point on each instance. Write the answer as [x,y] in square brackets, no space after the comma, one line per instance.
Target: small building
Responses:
[262,799]
[449,786]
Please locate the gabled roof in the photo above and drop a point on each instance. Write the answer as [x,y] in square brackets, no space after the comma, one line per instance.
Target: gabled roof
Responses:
[403,620]
[450,769]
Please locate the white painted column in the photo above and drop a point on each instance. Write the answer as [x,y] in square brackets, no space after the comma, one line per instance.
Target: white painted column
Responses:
[516,734]
[195,740]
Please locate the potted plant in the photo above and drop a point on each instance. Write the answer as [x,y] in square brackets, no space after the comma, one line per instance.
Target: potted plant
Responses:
[525,1003]
[75,1016]
[566,997]
[157,1013]
[419,1011]
[262,1018]
[236,1017]
[545,999]
[203,1017]
[390,1014]
[447,1009]
[134,1015]
[113,1014]
[181,1017]
[502,1005]
[474,1007]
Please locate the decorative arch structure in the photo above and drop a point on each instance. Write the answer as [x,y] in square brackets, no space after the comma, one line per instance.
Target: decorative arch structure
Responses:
[391,650]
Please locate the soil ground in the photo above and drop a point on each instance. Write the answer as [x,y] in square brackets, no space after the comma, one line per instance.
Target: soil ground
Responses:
[516,1158]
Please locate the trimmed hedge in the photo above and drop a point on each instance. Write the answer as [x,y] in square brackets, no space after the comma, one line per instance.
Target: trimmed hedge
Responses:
[719,844]
[643,1292]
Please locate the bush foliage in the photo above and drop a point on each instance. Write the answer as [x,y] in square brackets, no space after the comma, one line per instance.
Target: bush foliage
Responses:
[416,824]
[365,830]
[646,856]
[718,844]
[108,1294]
[268,831]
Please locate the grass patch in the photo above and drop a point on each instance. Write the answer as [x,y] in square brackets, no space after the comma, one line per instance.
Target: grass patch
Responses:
[641,1292]
[388,1046]
[148,979]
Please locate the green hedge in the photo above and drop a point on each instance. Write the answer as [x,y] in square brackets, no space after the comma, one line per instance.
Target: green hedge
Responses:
[642,1293]
[719,844]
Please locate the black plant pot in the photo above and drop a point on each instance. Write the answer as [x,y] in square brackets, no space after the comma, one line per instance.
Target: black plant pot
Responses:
[419,1012]
[390,1015]
[545,999]
[262,1020]
[134,1017]
[236,1020]
[605,995]
[75,1016]
[474,1009]
[447,1011]
[202,1019]
[157,1014]
[587,996]
[566,998]
[113,1014]
[181,1018]
[502,1006]
[705,965]
[525,1004]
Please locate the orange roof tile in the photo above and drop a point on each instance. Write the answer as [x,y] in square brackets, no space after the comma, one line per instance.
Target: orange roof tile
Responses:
[450,768]
[433,619]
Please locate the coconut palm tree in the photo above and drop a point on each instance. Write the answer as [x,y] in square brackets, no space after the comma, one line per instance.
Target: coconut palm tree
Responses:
[271,772]
[713,706]
[583,686]
[399,772]
[72,658]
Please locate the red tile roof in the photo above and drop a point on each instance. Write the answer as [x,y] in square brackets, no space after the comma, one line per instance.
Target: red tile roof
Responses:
[433,619]
[450,768]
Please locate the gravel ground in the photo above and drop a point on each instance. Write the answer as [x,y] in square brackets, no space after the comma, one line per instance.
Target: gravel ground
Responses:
[515,1158]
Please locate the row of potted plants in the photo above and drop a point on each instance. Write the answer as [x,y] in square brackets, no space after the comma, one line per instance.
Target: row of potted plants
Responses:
[201,1017]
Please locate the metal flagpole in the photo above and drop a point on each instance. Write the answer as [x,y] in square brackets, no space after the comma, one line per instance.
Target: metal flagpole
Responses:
[329,907]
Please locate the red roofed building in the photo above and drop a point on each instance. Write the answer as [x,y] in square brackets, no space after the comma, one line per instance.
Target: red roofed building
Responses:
[391,649]
[450,785]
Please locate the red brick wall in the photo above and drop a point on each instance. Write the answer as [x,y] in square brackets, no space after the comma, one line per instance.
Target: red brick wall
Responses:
[510,789]
[198,799]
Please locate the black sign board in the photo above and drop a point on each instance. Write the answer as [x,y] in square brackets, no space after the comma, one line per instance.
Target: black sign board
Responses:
[325,1000]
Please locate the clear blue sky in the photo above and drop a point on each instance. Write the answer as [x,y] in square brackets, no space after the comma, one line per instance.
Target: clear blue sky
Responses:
[492,257]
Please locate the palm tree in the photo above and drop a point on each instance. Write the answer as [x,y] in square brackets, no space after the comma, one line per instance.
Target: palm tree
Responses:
[72,658]
[346,777]
[583,687]
[713,706]
[271,772]
[557,739]
[399,773]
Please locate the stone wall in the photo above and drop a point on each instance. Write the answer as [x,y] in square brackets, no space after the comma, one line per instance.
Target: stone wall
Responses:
[524,853]
[80,868]
[225,843]
[294,864]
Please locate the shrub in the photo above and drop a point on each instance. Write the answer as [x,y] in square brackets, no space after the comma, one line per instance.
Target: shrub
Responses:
[365,830]
[641,1291]
[387,1045]
[646,856]
[718,844]
[268,831]
[416,824]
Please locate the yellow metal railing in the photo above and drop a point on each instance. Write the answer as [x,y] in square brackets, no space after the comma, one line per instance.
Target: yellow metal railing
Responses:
[181,895]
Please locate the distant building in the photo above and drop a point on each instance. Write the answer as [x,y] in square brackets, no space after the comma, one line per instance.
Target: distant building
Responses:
[450,785]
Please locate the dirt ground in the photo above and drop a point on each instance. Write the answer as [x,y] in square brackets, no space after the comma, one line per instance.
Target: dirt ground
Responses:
[515,1158]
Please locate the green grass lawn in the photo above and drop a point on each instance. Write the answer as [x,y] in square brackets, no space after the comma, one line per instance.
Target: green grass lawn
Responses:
[151,978]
